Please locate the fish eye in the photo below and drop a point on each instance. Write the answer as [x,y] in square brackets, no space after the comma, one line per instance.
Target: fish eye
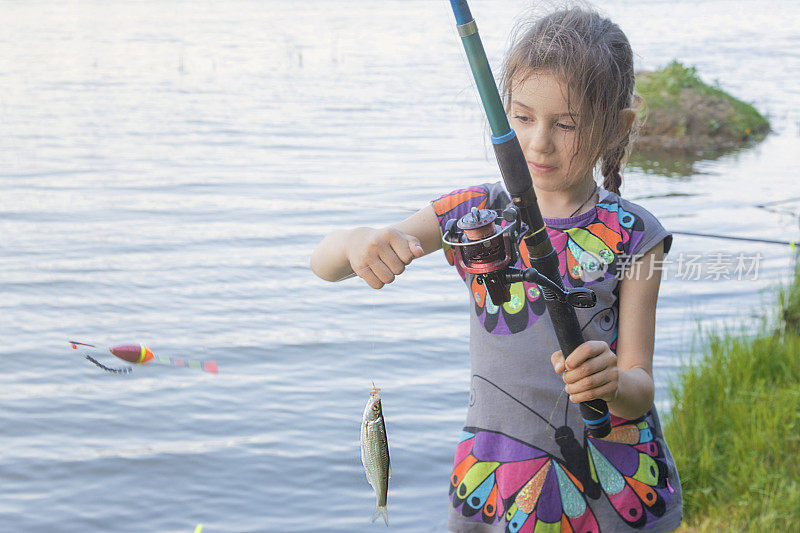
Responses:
[376,407]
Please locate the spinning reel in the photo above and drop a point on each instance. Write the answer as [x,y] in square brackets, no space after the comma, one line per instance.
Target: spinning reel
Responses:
[483,248]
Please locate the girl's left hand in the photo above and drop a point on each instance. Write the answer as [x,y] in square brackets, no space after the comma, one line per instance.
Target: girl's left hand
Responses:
[589,372]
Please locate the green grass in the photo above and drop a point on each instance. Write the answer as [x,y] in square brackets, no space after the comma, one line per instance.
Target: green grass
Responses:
[734,429]
[789,301]
[680,106]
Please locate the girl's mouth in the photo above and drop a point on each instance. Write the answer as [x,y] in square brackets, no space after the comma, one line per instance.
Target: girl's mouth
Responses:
[541,169]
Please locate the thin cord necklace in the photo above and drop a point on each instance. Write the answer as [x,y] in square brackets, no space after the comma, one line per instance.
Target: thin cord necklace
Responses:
[584,202]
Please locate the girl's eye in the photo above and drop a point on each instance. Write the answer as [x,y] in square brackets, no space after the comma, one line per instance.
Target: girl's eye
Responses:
[566,127]
[522,118]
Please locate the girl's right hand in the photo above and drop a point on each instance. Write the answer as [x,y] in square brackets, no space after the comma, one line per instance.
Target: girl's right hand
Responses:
[378,255]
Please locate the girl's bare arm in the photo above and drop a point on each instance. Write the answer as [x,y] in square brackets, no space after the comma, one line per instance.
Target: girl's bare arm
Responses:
[377,255]
[636,336]
[624,379]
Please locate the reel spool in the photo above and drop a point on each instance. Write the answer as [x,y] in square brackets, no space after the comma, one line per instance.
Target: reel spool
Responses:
[485,249]
[488,251]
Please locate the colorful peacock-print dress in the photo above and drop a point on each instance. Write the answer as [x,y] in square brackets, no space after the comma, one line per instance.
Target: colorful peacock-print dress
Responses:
[524,462]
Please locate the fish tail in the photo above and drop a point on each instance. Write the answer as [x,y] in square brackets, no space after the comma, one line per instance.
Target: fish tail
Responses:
[381,510]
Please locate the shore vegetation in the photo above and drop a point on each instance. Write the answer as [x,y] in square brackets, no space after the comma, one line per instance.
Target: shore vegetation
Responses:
[734,427]
[683,113]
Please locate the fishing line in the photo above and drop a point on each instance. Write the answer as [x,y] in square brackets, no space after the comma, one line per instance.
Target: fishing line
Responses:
[553,413]
[521,403]
[780,211]
[464,61]
[733,238]
[474,88]
[372,325]
[363,269]
[776,202]
[549,420]
[355,273]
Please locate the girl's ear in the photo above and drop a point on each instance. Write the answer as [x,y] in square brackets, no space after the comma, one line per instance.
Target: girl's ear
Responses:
[626,118]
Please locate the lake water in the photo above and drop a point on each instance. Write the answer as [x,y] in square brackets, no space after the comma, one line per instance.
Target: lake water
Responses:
[166,168]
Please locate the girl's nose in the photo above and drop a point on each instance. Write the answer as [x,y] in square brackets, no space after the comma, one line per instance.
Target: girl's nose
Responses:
[539,139]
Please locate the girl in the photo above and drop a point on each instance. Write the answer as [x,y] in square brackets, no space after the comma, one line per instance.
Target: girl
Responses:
[521,464]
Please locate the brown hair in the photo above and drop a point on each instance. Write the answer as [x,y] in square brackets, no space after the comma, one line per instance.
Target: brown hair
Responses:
[593,57]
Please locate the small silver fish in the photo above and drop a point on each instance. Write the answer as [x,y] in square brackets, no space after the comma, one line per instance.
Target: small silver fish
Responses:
[375,452]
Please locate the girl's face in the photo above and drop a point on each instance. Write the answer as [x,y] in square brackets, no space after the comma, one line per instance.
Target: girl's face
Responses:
[547,130]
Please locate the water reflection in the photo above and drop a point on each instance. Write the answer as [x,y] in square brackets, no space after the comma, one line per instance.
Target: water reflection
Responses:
[677,163]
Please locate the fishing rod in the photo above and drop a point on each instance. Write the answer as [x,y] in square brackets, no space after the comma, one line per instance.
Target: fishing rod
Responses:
[486,259]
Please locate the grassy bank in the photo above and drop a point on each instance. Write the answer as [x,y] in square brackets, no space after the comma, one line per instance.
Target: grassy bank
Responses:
[734,428]
[684,113]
